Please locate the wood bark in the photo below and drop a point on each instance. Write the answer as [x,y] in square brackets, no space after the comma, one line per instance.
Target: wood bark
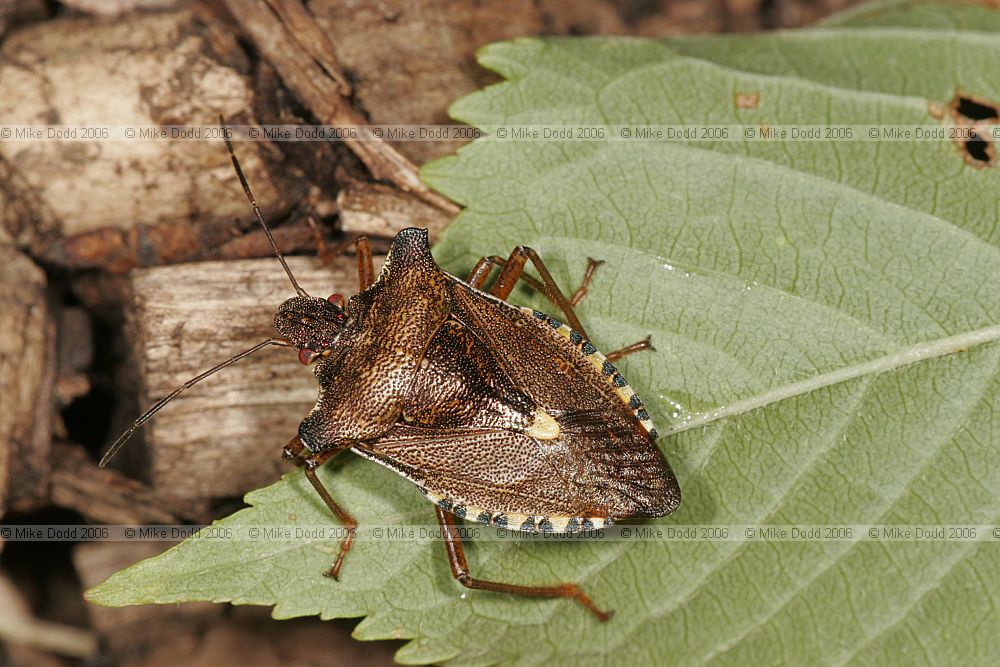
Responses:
[408,60]
[107,496]
[19,627]
[379,210]
[27,374]
[289,38]
[224,436]
[119,204]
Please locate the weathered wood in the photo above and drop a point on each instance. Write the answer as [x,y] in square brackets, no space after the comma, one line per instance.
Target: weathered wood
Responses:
[17,11]
[27,374]
[224,436]
[410,59]
[379,210]
[287,35]
[249,636]
[117,7]
[107,496]
[120,204]
[19,626]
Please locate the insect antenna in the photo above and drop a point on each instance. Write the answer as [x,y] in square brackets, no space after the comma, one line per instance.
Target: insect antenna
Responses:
[256,209]
[123,438]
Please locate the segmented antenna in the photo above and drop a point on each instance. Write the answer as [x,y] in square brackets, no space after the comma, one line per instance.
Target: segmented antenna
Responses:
[123,438]
[256,209]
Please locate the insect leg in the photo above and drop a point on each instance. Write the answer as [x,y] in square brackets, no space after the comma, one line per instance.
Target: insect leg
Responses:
[644,344]
[293,452]
[480,272]
[513,270]
[366,270]
[584,287]
[460,570]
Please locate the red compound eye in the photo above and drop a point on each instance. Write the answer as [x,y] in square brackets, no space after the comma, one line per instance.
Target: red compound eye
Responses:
[337,300]
[307,356]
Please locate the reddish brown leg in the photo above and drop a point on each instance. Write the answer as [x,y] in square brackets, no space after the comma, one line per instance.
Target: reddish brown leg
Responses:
[644,344]
[323,251]
[581,291]
[482,270]
[460,570]
[293,452]
[513,270]
[366,269]
[480,273]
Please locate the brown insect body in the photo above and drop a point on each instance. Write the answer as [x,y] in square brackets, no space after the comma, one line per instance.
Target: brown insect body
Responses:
[499,414]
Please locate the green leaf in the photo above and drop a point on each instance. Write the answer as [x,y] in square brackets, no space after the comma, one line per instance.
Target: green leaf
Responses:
[924,14]
[825,316]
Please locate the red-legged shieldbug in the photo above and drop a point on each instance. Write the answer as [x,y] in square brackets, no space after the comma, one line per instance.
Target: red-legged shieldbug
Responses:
[499,414]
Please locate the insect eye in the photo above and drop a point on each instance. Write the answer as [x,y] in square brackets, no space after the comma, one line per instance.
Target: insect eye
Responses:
[307,356]
[337,300]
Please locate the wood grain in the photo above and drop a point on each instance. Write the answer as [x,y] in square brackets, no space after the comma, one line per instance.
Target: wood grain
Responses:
[379,210]
[287,36]
[107,496]
[224,436]
[120,204]
[27,374]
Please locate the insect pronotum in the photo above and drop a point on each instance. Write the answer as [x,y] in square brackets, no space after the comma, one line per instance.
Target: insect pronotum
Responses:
[499,414]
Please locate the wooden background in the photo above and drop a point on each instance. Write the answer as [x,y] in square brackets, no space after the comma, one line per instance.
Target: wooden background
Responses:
[127,268]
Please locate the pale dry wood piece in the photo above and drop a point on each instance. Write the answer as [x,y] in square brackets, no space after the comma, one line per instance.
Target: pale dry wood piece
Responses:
[379,210]
[107,496]
[224,436]
[116,7]
[119,204]
[19,626]
[410,59]
[286,35]
[27,375]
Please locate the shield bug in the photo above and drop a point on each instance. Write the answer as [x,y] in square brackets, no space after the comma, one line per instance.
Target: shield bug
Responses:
[498,414]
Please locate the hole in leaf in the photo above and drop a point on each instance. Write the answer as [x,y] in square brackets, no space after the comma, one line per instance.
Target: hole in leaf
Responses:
[975,109]
[972,117]
[978,150]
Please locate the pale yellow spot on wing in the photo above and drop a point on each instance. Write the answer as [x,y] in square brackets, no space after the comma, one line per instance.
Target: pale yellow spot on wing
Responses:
[544,427]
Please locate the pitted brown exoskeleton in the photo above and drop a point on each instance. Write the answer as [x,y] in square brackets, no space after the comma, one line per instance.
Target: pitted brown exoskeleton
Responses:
[499,414]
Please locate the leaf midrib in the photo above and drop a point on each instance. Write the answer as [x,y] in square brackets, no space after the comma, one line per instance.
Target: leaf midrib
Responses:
[903,357]
[887,507]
